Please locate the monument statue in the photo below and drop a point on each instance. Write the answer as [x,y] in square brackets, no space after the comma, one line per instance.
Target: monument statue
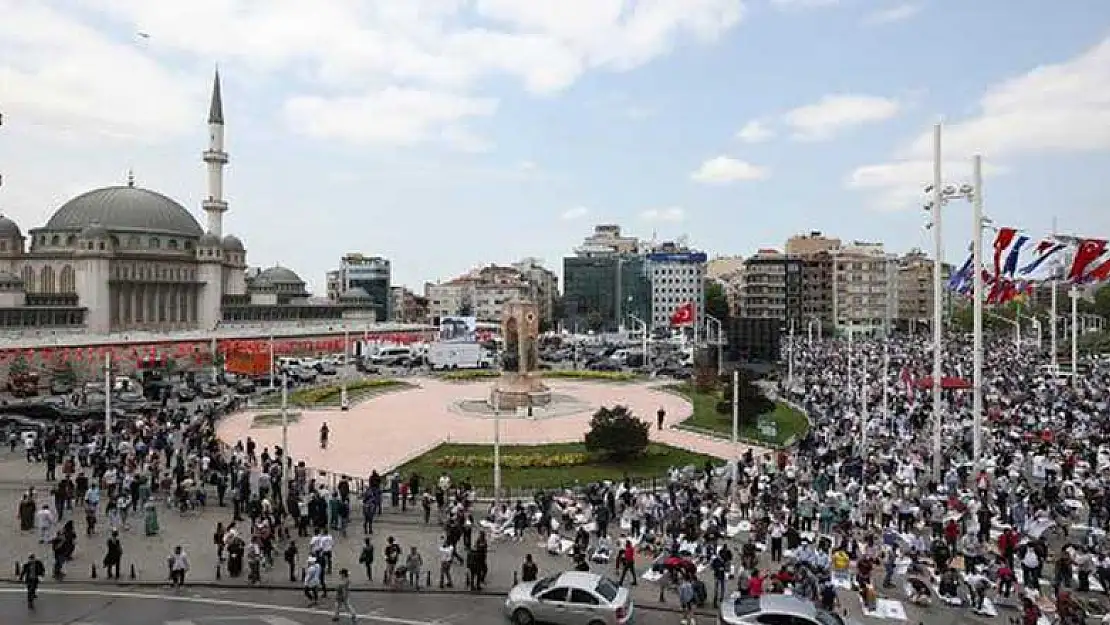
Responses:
[519,385]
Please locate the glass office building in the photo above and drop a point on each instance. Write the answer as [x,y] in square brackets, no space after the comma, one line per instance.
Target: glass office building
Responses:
[601,291]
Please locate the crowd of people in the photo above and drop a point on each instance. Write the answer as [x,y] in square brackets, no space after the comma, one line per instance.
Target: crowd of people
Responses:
[855,507]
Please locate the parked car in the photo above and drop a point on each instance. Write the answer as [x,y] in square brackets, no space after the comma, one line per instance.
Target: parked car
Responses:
[571,598]
[210,391]
[184,393]
[776,609]
[245,386]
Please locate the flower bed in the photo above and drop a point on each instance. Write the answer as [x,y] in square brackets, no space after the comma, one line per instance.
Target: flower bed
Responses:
[462,375]
[513,461]
[565,374]
[332,393]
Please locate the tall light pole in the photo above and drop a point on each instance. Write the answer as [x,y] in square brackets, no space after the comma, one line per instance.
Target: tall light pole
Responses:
[272,380]
[977,309]
[1074,293]
[107,398]
[343,405]
[790,358]
[938,260]
[285,416]
[496,450]
[643,339]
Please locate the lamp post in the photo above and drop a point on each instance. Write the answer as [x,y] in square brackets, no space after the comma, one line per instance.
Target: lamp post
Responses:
[285,416]
[735,425]
[496,450]
[935,206]
[343,403]
[107,398]
[718,340]
[644,339]
[790,358]
[809,329]
[1074,294]
[272,381]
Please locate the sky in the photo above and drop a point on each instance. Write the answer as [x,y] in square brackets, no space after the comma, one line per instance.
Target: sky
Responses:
[446,134]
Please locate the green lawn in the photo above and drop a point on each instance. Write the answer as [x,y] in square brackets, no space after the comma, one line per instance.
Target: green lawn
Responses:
[273,419]
[790,422]
[330,394]
[523,465]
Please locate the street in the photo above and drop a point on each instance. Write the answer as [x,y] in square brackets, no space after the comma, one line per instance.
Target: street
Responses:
[92,606]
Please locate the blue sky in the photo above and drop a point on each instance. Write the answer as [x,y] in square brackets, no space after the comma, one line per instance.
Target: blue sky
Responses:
[449,133]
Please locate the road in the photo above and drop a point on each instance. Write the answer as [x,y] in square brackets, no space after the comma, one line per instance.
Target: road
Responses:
[92,606]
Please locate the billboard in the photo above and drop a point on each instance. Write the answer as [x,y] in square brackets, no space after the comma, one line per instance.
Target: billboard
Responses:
[458,329]
[678,257]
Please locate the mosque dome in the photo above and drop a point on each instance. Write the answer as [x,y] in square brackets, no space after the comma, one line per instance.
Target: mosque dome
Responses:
[125,209]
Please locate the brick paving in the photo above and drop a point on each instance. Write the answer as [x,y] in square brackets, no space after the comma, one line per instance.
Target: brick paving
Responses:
[391,429]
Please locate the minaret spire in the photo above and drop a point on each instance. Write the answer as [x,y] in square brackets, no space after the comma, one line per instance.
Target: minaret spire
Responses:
[216,107]
[215,158]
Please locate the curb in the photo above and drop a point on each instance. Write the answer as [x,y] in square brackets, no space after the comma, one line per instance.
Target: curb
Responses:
[209,585]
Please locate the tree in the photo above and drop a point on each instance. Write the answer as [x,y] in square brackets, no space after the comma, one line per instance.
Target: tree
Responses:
[18,366]
[64,373]
[617,434]
[753,402]
[716,302]
[594,321]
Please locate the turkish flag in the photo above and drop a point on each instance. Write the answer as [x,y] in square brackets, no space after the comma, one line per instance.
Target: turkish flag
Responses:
[684,315]
[1088,252]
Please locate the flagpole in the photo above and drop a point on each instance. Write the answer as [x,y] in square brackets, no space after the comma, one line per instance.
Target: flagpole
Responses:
[1074,293]
[977,308]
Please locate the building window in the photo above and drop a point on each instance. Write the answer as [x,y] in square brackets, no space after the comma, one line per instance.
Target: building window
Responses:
[29,279]
[66,280]
[133,241]
[55,240]
[46,279]
[172,244]
[155,243]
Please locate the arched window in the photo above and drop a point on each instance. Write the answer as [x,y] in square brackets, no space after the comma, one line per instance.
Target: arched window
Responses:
[133,241]
[71,239]
[172,244]
[29,279]
[155,243]
[115,241]
[46,279]
[55,240]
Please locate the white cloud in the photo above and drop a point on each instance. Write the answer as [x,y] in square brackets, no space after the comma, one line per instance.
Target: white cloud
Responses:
[392,116]
[755,131]
[577,212]
[725,170]
[65,62]
[890,15]
[833,114]
[670,214]
[803,4]
[1063,107]
[527,166]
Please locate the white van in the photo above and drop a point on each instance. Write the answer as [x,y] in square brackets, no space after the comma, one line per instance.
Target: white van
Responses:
[449,355]
[392,357]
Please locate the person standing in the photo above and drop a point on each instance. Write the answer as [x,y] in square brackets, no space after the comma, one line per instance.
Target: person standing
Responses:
[44,522]
[113,557]
[528,570]
[413,565]
[392,555]
[31,573]
[659,417]
[366,559]
[179,565]
[312,581]
[343,597]
[446,557]
[627,562]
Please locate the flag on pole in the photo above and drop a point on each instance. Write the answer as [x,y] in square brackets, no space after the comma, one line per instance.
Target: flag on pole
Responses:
[1089,255]
[683,315]
[1042,261]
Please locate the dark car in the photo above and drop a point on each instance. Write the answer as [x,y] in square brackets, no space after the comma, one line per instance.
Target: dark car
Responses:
[209,391]
[245,386]
[184,393]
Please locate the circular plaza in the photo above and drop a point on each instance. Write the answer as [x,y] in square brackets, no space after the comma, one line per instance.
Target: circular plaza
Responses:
[387,430]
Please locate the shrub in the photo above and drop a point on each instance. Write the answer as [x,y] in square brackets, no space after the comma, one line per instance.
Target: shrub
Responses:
[617,434]
[470,374]
[585,374]
[325,394]
[752,400]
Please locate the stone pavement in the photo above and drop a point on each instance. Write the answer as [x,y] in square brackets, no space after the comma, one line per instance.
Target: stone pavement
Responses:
[390,429]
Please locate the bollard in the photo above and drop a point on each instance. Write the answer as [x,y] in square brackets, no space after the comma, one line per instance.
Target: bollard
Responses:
[428,578]
[516,580]
[131,573]
[18,570]
[218,575]
[93,570]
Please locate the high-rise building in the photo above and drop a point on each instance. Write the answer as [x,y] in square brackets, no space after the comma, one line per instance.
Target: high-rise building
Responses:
[808,244]
[544,287]
[771,287]
[677,278]
[864,289]
[607,239]
[370,275]
[817,290]
[600,291]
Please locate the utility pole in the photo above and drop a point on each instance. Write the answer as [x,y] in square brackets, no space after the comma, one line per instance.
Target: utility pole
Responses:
[735,425]
[938,296]
[977,310]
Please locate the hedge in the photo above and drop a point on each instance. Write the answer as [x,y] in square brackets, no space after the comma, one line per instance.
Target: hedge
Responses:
[514,461]
[332,392]
[565,374]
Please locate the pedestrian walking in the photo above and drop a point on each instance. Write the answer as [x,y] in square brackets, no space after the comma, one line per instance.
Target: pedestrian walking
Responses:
[312,581]
[179,566]
[113,556]
[31,573]
[446,558]
[413,565]
[343,597]
[366,559]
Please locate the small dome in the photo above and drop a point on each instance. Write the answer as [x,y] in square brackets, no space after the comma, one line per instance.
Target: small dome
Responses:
[356,294]
[280,275]
[127,209]
[94,231]
[9,229]
[233,244]
[209,240]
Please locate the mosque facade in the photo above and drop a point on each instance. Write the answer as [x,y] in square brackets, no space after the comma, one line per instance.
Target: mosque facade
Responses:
[125,258]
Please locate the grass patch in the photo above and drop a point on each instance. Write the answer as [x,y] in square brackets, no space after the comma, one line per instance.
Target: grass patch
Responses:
[546,466]
[791,423]
[331,394]
[273,419]
[465,375]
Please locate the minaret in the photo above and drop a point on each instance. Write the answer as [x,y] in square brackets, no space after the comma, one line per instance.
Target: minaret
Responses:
[216,159]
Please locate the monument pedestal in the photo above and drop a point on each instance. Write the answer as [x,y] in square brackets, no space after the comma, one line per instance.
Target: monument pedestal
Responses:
[519,390]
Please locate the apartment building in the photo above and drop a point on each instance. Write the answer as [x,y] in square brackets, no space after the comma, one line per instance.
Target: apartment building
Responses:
[864,289]
[544,287]
[770,287]
[406,306]
[483,292]
[809,244]
[915,290]
[817,291]
[677,278]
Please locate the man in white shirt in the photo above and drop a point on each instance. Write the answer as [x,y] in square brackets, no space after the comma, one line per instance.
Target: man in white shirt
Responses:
[312,581]
[327,544]
[179,565]
[44,521]
[446,554]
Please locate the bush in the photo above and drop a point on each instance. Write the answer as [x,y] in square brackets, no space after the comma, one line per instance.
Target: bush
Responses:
[471,374]
[325,394]
[617,434]
[752,400]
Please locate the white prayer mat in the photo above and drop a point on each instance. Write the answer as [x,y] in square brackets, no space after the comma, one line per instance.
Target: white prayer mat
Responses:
[652,576]
[887,609]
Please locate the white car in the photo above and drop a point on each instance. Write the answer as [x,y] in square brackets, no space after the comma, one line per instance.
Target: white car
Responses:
[571,598]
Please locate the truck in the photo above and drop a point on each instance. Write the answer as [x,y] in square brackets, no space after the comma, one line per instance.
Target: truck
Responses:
[459,356]
[250,364]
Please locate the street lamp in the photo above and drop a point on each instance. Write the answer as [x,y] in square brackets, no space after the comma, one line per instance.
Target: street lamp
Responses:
[809,329]
[719,340]
[644,339]
[344,404]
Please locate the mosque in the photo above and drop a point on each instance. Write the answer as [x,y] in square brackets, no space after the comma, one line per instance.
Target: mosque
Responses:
[126,258]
